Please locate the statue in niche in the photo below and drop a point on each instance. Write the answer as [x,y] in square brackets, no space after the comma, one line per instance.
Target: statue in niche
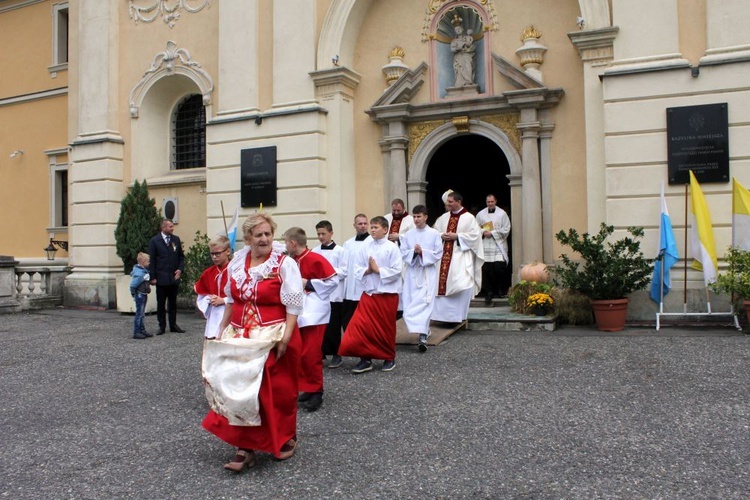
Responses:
[463,49]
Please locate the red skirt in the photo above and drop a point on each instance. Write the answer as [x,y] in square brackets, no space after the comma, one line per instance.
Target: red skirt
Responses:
[278,406]
[371,333]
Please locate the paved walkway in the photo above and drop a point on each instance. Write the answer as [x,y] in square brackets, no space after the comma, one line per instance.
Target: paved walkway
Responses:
[86,412]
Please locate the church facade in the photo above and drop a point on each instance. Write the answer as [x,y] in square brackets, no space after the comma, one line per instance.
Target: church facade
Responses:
[557,108]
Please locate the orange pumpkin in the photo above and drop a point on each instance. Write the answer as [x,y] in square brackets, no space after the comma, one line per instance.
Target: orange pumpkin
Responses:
[536,271]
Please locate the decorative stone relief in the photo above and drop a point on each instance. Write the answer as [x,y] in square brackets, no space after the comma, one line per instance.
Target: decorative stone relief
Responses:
[418,131]
[509,125]
[396,67]
[170,62]
[169,13]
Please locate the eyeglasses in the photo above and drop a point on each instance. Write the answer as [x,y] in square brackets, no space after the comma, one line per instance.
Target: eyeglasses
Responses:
[216,254]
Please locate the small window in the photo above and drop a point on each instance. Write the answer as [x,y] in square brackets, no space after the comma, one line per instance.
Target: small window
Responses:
[58,189]
[60,34]
[189,134]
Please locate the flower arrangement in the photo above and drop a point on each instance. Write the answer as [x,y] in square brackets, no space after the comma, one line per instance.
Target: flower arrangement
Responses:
[519,294]
[540,303]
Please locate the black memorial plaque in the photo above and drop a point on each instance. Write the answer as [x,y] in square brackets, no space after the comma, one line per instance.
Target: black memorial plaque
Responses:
[698,140]
[258,177]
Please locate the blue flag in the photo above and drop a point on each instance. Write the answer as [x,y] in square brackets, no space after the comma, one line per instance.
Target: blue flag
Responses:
[232,231]
[668,255]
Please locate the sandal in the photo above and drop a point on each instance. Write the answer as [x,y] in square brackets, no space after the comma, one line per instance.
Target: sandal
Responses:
[287,451]
[243,459]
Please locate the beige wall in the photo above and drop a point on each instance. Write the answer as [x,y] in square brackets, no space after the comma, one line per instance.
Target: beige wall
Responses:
[32,124]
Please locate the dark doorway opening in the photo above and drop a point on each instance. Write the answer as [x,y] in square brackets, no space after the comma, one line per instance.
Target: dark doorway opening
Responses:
[475,167]
[472,165]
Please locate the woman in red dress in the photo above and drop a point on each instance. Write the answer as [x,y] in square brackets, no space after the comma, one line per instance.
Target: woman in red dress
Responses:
[265,288]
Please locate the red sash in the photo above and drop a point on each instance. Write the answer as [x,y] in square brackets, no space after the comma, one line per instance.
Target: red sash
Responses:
[445,262]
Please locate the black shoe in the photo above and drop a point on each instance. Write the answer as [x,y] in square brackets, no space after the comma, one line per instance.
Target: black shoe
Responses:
[388,365]
[422,342]
[315,401]
[139,336]
[146,334]
[336,361]
[303,396]
[363,366]
[176,329]
[488,299]
[161,331]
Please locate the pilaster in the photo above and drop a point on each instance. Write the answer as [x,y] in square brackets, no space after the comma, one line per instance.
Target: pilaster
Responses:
[531,188]
[335,89]
[294,45]
[238,58]
[96,169]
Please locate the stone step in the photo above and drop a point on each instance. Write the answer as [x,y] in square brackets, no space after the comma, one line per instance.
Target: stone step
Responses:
[500,317]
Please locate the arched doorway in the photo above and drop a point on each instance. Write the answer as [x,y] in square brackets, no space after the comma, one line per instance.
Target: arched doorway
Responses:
[474,166]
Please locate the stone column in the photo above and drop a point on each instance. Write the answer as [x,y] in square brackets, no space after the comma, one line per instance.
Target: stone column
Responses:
[596,50]
[294,43]
[394,144]
[335,90]
[515,182]
[531,197]
[238,58]
[96,170]
[416,193]
[545,155]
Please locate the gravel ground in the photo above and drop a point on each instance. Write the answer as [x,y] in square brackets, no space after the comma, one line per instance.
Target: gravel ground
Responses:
[87,412]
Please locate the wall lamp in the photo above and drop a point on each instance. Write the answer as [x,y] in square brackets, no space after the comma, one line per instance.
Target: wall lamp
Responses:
[16,153]
[51,249]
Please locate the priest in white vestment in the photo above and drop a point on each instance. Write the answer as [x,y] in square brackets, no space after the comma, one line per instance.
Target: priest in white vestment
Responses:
[460,274]
[421,249]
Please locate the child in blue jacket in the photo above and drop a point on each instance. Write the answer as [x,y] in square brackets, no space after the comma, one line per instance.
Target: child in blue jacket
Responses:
[139,289]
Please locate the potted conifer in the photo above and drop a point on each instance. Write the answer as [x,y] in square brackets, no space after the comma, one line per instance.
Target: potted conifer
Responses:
[139,220]
[607,273]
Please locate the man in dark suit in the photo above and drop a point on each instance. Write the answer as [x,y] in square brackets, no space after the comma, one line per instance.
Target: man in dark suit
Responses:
[167,265]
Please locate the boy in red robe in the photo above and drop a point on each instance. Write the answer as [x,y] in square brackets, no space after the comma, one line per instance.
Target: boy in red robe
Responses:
[319,281]
[210,286]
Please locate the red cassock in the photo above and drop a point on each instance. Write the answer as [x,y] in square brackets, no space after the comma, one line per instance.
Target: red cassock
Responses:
[278,390]
[367,335]
[313,266]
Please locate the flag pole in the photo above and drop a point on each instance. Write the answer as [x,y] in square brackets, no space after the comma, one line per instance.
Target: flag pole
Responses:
[224,218]
[684,273]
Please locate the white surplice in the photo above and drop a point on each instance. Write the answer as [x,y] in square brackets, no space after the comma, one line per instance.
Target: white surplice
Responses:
[465,272]
[421,277]
[388,258]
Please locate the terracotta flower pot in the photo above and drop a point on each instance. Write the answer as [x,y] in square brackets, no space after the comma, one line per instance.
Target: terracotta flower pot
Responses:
[610,314]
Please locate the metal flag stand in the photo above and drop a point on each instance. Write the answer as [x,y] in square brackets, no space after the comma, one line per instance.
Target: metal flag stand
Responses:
[684,312]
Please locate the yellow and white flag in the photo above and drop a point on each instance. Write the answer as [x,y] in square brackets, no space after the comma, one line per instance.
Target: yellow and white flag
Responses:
[702,249]
[740,216]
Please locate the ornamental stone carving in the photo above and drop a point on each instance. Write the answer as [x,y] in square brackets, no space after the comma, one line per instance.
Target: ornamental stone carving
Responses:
[531,52]
[172,61]
[170,13]
[396,67]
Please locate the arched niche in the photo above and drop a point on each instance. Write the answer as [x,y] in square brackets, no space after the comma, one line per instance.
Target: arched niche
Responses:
[151,132]
[338,35]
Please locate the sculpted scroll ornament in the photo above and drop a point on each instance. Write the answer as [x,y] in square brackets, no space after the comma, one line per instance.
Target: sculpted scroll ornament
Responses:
[169,62]
[169,13]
